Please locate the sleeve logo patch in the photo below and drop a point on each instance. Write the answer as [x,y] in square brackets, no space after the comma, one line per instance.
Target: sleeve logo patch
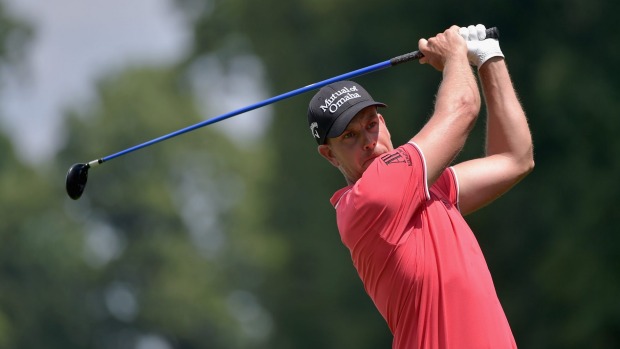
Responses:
[398,157]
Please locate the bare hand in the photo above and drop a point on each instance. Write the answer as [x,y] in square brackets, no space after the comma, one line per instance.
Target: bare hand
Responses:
[443,47]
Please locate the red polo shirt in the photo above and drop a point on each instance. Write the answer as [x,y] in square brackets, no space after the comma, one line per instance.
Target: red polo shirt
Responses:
[417,257]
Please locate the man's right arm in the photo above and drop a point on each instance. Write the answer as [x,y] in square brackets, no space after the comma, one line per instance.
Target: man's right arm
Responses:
[457,104]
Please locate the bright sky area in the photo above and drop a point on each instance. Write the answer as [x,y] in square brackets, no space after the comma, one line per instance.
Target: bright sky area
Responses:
[76,41]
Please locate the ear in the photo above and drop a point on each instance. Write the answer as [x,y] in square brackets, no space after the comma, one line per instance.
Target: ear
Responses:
[384,126]
[381,118]
[326,152]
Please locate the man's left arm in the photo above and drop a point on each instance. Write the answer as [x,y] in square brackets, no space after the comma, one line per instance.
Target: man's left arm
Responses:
[509,150]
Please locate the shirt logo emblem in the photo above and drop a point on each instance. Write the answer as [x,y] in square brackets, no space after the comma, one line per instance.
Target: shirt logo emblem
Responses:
[398,157]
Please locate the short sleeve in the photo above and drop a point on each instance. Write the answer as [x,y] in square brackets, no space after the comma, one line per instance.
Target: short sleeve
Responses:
[446,186]
[398,176]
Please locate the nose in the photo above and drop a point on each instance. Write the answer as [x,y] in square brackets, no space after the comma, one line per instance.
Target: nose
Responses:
[370,142]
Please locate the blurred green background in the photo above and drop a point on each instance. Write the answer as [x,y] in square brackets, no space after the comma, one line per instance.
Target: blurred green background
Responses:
[220,240]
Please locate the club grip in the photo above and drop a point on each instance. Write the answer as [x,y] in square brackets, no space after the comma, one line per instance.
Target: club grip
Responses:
[492,33]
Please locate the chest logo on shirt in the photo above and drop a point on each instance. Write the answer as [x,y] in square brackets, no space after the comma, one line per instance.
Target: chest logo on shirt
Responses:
[397,157]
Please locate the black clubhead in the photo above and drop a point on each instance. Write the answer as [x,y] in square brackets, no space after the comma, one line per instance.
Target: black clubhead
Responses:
[76,180]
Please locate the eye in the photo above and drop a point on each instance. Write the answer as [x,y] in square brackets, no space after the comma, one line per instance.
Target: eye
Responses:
[372,125]
[347,135]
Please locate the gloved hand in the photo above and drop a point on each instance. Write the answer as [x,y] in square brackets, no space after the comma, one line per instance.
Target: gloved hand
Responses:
[479,48]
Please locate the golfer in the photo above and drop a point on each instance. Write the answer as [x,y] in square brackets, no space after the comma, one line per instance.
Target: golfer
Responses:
[401,213]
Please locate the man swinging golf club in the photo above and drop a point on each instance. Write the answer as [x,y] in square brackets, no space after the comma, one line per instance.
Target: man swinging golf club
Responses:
[401,213]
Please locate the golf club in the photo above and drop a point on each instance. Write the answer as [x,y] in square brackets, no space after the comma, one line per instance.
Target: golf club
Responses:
[78,173]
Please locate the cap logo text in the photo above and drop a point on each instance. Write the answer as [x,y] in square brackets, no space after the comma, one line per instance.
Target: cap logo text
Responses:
[338,98]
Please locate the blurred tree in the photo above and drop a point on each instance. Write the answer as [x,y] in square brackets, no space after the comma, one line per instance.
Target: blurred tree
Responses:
[181,221]
[38,306]
[15,35]
[41,285]
[33,235]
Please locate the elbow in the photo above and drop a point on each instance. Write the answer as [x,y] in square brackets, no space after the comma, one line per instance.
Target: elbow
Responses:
[468,109]
[519,164]
[462,105]
[471,104]
[526,165]
[530,158]
[528,168]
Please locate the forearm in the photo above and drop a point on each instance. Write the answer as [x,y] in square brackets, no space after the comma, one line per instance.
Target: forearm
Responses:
[456,108]
[458,95]
[508,132]
[509,153]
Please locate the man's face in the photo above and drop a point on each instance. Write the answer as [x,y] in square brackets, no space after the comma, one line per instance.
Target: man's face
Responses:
[365,138]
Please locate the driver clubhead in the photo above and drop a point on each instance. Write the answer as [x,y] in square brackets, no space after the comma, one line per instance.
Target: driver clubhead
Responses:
[76,180]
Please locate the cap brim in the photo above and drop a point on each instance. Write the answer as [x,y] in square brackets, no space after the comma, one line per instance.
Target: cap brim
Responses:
[345,118]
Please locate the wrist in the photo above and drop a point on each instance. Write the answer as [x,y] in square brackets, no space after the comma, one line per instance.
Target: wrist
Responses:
[491,63]
[486,56]
[456,59]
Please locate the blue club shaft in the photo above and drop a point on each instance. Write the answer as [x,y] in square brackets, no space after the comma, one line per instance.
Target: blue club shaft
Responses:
[491,33]
[350,75]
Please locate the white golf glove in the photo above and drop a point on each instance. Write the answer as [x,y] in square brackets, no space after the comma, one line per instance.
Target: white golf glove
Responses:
[479,48]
